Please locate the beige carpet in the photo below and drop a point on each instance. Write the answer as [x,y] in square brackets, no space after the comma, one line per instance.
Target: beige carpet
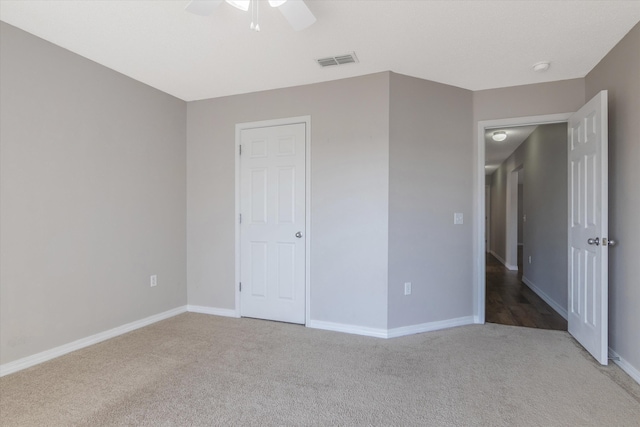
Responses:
[195,370]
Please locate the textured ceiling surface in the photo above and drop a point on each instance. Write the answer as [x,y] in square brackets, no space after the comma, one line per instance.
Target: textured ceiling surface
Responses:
[470,44]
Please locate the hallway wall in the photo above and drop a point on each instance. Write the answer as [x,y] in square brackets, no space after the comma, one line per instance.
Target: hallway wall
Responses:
[545,205]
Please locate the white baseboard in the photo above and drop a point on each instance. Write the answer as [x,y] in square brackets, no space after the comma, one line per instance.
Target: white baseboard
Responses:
[349,329]
[625,366]
[35,359]
[499,258]
[391,333]
[431,326]
[562,311]
[226,312]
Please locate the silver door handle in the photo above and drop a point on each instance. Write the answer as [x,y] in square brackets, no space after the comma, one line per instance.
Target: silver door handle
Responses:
[595,241]
[609,242]
[298,234]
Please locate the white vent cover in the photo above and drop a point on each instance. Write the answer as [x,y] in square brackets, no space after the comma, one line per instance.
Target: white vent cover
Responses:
[349,58]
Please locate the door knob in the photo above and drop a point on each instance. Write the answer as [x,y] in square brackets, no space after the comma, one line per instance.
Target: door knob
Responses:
[609,242]
[298,234]
[595,241]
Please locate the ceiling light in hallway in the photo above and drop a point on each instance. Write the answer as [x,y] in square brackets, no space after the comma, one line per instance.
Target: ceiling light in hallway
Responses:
[499,136]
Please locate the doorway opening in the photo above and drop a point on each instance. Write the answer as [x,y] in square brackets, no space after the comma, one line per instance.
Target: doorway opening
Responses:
[586,228]
[511,252]
[530,294]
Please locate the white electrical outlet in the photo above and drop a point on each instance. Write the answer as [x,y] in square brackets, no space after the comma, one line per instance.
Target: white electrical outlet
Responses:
[153,280]
[458,218]
[407,288]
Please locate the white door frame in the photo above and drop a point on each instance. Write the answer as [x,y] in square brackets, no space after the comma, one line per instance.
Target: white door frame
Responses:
[511,219]
[487,213]
[307,231]
[479,202]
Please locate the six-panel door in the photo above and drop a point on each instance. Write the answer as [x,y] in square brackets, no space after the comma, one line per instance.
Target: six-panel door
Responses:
[272,205]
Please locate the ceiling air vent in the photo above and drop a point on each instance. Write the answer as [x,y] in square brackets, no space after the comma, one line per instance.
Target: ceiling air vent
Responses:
[349,58]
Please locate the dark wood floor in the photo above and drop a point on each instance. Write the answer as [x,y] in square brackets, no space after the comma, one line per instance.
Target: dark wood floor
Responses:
[511,302]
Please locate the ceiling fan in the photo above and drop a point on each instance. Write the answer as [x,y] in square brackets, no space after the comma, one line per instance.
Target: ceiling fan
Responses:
[295,12]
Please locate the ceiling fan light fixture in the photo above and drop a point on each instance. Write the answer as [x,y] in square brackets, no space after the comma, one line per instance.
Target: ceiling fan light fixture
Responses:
[240,4]
[297,14]
[499,136]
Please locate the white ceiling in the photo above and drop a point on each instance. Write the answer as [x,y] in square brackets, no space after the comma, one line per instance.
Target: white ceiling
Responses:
[470,44]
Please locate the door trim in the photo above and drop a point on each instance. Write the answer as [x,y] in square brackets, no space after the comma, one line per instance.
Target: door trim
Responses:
[511,218]
[307,196]
[479,202]
[487,214]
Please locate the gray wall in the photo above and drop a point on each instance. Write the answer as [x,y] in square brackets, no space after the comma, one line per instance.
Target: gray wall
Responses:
[543,156]
[349,194]
[430,178]
[545,204]
[563,96]
[619,73]
[92,197]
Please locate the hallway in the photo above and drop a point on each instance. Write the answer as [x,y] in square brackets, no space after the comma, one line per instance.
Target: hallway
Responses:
[511,302]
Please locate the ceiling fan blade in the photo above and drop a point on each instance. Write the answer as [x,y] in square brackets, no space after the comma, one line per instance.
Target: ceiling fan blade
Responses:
[297,13]
[202,7]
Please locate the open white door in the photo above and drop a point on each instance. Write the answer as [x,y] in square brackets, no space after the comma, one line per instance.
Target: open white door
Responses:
[272,229]
[588,227]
